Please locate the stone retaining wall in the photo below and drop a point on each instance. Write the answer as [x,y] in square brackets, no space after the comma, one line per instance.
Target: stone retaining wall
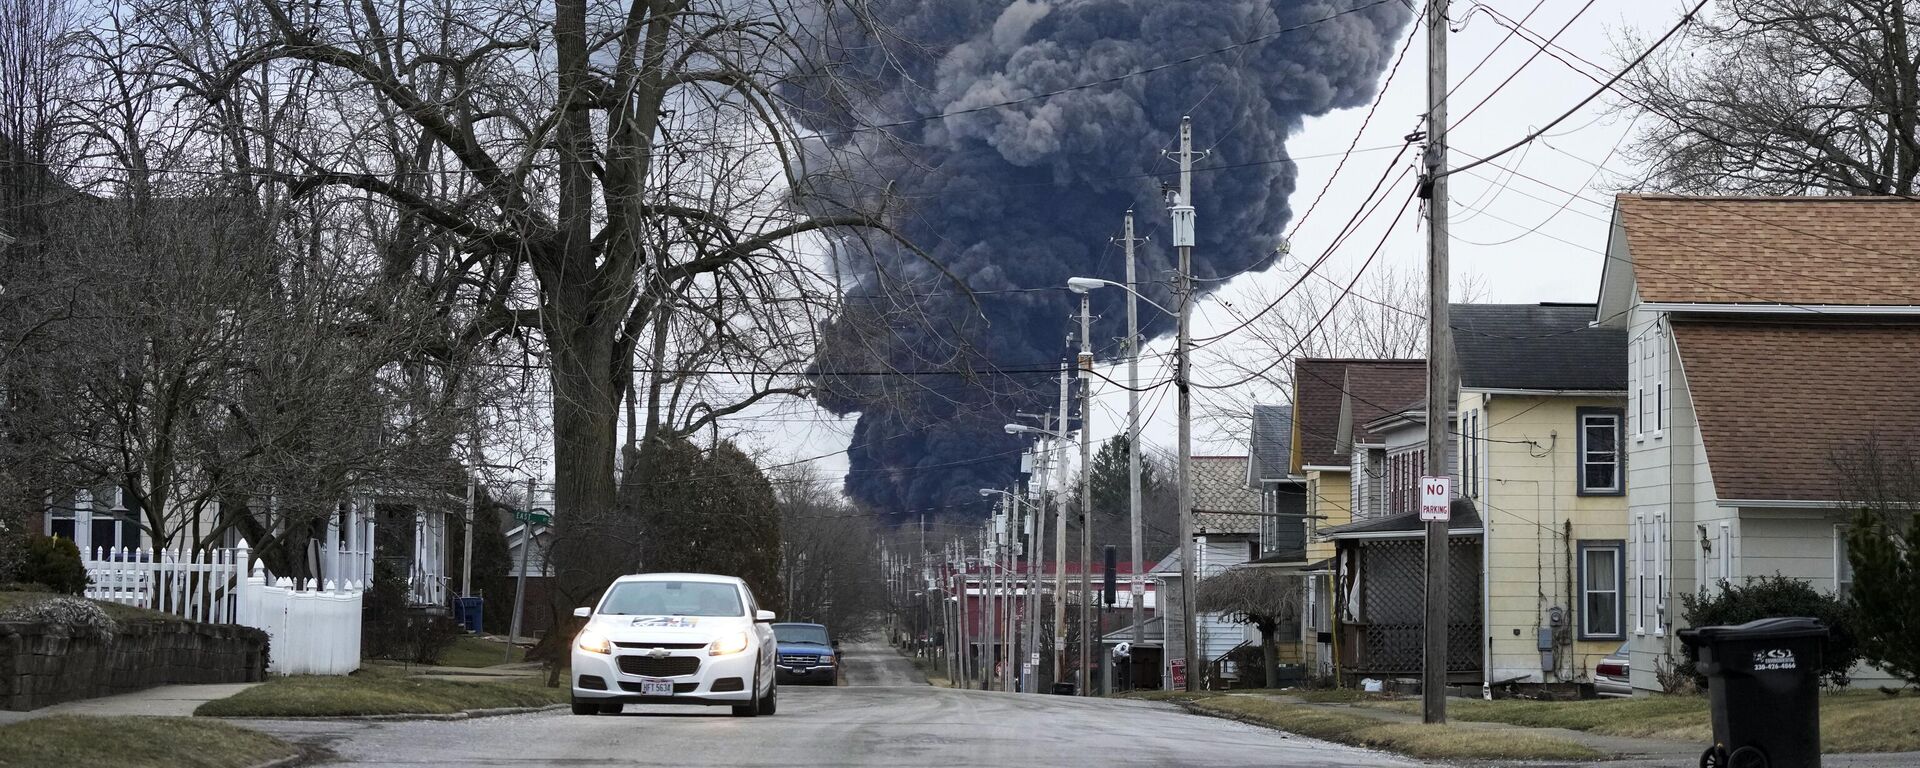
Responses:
[42,664]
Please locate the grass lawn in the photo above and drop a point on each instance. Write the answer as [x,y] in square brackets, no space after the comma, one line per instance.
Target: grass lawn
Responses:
[1430,742]
[472,651]
[377,691]
[10,599]
[154,742]
[1850,721]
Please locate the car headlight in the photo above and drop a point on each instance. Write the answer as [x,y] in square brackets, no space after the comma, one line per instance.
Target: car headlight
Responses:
[733,643]
[591,642]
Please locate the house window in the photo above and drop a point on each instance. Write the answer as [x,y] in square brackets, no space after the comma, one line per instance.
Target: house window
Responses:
[1602,574]
[1642,354]
[1641,546]
[1661,561]
[1599,455]
[1470,450]
[1660,378]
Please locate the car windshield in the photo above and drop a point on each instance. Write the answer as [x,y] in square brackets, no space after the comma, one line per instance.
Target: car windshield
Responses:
[672,598]
[800,633]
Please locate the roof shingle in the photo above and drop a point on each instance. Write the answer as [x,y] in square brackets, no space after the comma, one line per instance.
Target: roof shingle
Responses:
[1221,496]
[1377,386]
[1787,250]
[1267,436]
[1537,346]
[1776,401]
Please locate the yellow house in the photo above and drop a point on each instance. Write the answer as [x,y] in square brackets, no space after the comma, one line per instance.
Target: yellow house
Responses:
[1540,412]
[1333,400]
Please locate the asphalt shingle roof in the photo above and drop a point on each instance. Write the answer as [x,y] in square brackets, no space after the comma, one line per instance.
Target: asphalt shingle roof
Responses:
[1267,439]
[1219,492]
[1537,346]
[1378,386]
[1776,402]
[1464,515]
[1782,250]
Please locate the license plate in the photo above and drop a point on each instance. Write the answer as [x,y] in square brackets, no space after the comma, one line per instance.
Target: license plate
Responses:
[653,686]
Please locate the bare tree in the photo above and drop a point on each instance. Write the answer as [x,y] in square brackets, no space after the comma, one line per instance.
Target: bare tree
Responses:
[1310,315]
[1264,597]
[1783,97]
[829,556]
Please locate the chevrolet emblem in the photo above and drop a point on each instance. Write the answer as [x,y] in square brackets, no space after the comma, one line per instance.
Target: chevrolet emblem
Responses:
[659,653]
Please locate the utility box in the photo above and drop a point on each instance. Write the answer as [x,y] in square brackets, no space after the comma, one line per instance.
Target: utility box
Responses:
[1763,684]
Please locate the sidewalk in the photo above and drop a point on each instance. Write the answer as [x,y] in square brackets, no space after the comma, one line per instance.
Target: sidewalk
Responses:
[160,701]
[1629,752]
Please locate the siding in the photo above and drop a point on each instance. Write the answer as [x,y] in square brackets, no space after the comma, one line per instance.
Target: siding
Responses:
[1536,520]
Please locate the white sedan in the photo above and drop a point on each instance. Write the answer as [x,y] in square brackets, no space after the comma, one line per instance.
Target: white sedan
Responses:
[675,638]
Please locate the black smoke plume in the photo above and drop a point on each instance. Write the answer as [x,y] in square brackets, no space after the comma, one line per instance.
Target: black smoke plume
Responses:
[1025,196]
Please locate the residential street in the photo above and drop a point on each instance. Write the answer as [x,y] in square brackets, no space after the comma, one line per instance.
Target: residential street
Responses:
[879,719]
[874,663]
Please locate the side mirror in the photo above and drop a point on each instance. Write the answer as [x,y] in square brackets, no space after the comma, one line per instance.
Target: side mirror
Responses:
[836,645]
[583,612]
[762,616]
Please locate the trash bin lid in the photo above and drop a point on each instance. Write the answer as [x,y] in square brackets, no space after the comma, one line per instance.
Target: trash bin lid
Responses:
[1762,629]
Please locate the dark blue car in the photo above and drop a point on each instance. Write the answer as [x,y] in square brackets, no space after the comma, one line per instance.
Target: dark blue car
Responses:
[806,655]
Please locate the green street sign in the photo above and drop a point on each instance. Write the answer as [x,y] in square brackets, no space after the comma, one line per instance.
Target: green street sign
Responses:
[536,516]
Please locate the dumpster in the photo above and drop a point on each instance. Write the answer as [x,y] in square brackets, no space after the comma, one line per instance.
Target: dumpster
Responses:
[469,611]
[1763,683]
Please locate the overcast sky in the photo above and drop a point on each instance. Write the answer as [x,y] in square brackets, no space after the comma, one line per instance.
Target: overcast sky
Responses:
[1532,234]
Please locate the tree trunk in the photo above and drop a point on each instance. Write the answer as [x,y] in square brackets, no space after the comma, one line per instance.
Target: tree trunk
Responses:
[585,406]
[1269,655]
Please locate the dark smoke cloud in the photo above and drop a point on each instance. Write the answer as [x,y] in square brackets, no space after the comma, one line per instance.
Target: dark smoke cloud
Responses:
[1025,196]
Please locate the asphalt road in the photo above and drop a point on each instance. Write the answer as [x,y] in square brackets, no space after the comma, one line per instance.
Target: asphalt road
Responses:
[873,662]
[871,724]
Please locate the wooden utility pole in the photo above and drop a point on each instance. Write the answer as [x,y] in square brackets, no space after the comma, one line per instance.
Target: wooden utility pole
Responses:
[1183,221]
[1433,679]
[1138,586]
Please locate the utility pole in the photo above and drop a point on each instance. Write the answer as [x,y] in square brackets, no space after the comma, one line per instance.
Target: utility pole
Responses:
[1433,678]
[1082,674]
[1011,599]
[1183,241]
[989,616]
[1060,544]
[1139,587]
[520,584]
[1037,542]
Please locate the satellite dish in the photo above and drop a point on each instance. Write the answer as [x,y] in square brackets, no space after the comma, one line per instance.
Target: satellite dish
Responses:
[1122,650]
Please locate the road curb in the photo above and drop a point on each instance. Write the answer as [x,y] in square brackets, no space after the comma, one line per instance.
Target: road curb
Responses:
[472,714]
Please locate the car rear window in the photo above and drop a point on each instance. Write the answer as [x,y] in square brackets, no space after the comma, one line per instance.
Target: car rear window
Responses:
[672,598]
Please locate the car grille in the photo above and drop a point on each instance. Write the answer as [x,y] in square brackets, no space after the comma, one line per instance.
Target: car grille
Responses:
[799,661]
[668,646]
[670,666]
[677,687]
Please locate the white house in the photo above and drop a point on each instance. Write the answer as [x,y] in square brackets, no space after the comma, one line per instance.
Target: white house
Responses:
[1765,336]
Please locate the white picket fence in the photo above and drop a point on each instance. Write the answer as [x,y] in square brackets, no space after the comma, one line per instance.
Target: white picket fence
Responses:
[313,629]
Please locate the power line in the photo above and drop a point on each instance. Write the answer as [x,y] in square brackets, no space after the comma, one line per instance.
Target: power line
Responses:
[1685,19]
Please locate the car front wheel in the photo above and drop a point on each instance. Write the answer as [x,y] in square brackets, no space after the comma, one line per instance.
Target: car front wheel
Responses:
[771,703]
[753,706]
[585,707]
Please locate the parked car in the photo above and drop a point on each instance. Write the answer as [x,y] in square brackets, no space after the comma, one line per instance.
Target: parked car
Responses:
[675,638]
[807,654]
[1610,675]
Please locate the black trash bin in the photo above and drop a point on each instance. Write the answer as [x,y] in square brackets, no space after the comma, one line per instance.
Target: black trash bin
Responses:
[1064,689]
[1763,681]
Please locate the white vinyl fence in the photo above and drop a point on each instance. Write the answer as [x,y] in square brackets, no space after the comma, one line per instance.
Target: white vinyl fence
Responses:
[312,630]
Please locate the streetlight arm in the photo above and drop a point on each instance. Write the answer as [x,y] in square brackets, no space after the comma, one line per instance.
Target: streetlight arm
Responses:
[1084,284]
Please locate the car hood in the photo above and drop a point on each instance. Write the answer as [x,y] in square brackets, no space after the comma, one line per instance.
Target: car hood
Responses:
[666,629]
[813,648]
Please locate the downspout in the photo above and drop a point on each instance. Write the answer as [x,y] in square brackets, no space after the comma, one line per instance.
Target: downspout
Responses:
[1486,563]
